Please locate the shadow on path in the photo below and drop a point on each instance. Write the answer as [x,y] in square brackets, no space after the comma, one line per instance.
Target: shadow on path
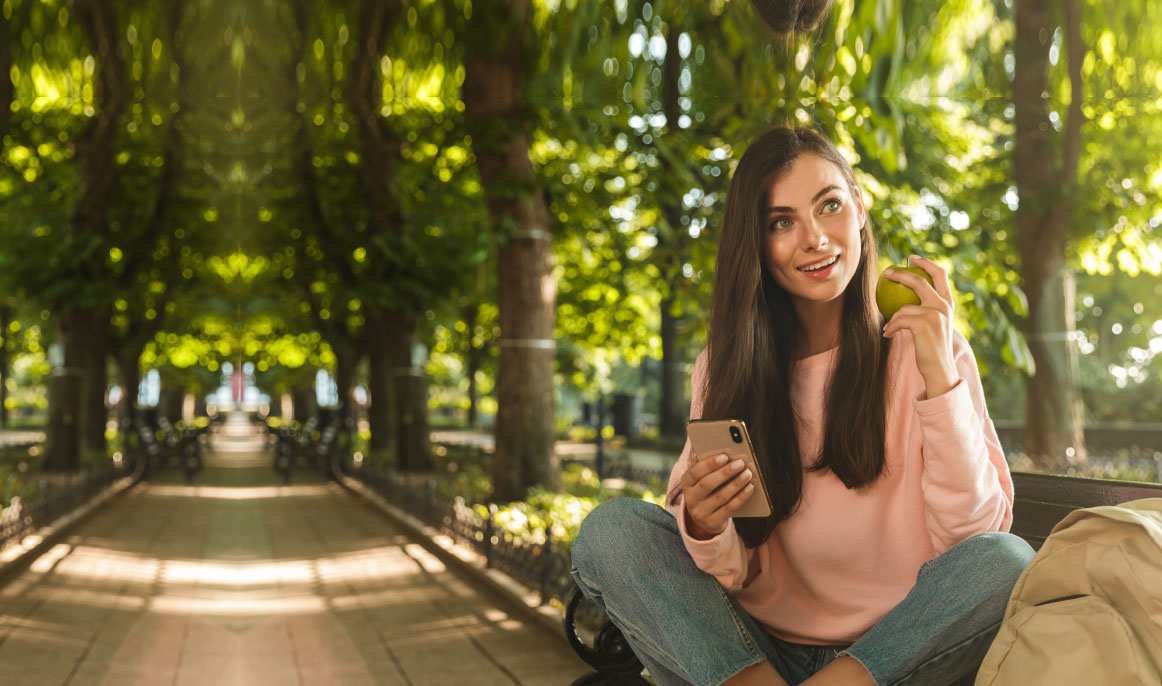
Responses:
[237,580]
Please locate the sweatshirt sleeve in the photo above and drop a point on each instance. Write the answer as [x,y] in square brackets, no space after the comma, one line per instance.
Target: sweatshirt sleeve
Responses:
[724,556]
[967,486]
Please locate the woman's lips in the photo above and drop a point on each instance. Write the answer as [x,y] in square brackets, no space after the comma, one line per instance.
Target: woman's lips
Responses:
[821,273]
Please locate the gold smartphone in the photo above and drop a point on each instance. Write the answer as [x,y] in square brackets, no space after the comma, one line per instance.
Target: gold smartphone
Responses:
[710,437]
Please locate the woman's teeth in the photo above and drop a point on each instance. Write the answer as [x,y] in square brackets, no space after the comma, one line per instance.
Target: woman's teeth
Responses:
[821,265]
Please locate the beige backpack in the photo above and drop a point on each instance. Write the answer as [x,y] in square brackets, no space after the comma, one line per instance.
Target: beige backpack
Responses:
[1088,608]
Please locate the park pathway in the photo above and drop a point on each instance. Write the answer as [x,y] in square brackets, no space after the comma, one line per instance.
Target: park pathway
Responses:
[239,581]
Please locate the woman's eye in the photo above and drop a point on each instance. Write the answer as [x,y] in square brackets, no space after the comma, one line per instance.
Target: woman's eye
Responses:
[780,224]
[832,205]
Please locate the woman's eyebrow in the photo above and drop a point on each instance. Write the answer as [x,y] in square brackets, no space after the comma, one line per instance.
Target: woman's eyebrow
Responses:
[791,210]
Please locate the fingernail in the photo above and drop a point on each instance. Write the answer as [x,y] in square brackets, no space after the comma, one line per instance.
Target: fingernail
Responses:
[721,459]
[749,488]
[746,475]
[737,464]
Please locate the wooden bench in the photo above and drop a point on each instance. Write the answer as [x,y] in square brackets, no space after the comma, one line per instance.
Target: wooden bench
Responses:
[165,446]
[1041,501]
[310,445]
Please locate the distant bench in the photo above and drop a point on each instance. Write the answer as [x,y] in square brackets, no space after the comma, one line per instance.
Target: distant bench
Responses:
[1041,501]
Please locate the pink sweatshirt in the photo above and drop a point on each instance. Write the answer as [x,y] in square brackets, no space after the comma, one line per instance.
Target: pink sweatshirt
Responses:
[846,557]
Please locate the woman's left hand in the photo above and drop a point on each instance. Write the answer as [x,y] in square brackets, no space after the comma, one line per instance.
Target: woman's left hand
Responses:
[930,323]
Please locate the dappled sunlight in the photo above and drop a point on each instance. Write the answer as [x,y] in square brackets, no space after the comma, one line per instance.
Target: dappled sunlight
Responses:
[47,561]
[239,492]
[110,599]
[89,575]
[428,632]
[239,574]
[367,565]
[97,563]
[231,448]
[388,597]
[25,626]
[248,588]
[53,633]
[235,605]
[211,580]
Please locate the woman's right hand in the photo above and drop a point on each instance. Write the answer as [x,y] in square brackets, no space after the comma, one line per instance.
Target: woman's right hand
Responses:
[714,489]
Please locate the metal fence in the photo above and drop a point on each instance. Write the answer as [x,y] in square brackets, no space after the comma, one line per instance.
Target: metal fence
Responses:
[24,517]
[1109,463]
[1104,459]
[537,565]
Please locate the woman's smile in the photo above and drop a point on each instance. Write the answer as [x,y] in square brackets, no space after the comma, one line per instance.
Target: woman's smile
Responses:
[821,268]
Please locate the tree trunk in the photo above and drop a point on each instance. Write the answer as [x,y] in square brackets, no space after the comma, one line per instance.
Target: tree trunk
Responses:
[1046,176]
[409,396]
[5,321]
[306,403]
[95,147]
[378,380]
[672,411]
[95,386]
[169,403]
[388,347]
[497,116]
[129,378]
[7,88]
[524,390]
[63,443]
[346,368]
[6,91]
[77,423]
[346,365]
[471,362]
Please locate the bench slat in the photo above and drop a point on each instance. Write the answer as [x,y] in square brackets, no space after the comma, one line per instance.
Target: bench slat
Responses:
[1033,521]
[1043,500]
[1080,492]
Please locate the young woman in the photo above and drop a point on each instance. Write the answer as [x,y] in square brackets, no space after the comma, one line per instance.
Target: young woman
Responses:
[884,560]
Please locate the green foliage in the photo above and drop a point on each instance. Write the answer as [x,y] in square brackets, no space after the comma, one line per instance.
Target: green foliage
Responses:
[241,225]
[466,475]
[13,484]
[561,513]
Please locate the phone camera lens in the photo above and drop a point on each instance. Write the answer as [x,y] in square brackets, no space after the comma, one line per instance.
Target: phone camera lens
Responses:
[735,434]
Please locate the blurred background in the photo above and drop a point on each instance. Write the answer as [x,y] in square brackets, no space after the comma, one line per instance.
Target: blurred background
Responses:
[439,223]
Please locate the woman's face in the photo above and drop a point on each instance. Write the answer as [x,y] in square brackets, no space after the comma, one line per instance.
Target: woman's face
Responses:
[812,220]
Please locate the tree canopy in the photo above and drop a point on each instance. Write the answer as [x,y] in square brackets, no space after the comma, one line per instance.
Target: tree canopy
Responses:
[307,185]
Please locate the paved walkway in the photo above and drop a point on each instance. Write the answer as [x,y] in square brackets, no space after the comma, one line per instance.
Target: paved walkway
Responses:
[238,581]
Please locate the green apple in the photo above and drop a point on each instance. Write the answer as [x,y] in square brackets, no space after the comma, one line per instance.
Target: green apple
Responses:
[892,295]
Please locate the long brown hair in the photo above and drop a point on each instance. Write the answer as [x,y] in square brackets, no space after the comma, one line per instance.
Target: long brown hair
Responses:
[789,16]
[754,333]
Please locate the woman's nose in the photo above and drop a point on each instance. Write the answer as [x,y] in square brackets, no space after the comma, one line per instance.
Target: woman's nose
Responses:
[813,235]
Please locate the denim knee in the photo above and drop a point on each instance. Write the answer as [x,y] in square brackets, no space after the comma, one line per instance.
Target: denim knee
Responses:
[1006,554]
[609,533]
[1002,557]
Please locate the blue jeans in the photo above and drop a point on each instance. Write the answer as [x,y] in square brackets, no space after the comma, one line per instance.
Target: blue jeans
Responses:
[686,629]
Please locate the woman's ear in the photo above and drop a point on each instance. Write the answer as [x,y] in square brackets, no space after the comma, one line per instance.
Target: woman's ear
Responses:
[862,211]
